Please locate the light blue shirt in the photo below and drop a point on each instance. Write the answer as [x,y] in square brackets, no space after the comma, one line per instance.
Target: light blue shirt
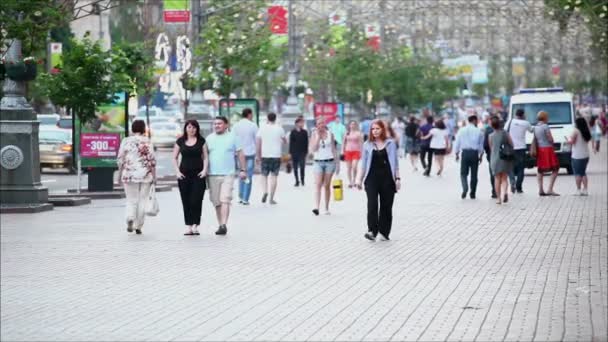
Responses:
[338,130]
[222,149]
[246,131]
[469,138]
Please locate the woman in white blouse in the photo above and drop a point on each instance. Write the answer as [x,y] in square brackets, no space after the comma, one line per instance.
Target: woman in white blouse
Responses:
[137,172]
[440,143]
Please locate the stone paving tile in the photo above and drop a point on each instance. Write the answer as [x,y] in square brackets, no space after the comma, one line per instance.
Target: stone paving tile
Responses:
[456,270]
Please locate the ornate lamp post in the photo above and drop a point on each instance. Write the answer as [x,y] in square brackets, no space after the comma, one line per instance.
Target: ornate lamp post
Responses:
[20,186]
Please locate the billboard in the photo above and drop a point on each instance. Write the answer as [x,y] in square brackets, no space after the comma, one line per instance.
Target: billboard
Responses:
[329,110]
[232,109]
[176,11]
[97,142]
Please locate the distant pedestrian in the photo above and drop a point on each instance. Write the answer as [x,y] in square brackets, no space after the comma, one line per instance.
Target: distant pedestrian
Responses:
[426,153]
[352,151]
[298,149]
[191,174]
[580,154]
[338,130]
[379,173]
[398,126]
[412,141]
[326,162]
[486,147]
[501,167]
[137,172]
[596,133]
[469,141]
[517,128]
[546,160]
[222,147]
[270,140]
[440,144]
[365,127]
[246,131]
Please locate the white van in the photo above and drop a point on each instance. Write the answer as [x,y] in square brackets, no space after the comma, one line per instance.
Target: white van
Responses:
[560,107]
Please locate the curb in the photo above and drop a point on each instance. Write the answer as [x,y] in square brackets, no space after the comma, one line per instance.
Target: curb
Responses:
[25,208]
[68,201]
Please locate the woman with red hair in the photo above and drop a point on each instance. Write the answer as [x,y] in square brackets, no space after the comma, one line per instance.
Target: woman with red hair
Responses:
[379,173]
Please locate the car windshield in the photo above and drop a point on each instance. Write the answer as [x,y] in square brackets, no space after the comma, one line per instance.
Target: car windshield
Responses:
[64,123]
[47,120]
[559,112]
[54,136]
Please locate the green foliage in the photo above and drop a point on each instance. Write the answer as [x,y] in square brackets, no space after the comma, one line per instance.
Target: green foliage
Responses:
[84,82]
[133,69]
[37,18]
[236,47]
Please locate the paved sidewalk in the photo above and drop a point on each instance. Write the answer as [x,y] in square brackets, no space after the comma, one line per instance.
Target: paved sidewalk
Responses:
[533,269]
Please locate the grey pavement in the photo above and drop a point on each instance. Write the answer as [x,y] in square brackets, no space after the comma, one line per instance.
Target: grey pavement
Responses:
[533,269]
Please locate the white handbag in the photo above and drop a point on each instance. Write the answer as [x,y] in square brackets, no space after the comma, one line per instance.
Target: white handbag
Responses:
[151,206]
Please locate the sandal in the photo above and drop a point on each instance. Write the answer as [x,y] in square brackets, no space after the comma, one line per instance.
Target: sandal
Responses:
[189,232]
[542,194]
[552,194]
[195,232]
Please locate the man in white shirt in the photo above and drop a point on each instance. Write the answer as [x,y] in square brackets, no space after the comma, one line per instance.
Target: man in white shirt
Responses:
[517,128]
[270,140]
[246,132]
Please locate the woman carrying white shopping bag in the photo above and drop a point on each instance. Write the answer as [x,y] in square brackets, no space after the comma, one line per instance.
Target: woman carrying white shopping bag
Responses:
[137,172]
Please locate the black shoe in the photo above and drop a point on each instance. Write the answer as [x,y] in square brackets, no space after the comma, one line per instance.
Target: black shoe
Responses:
[472,195]
[302,183]
[316,212]
[520,191]
[222,230]
[138,231]
[463,195]
[264,198]
[130,226]
[494,194]
[512,189]
[297,184]
[370,236]
[384,237]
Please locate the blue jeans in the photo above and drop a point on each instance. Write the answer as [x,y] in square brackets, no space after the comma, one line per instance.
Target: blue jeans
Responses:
[516,176]
[244,188]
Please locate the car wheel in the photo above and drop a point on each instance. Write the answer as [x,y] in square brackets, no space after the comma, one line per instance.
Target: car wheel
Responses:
[569,169]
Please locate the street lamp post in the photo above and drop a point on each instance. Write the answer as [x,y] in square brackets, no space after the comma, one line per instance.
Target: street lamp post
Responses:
[20,186]
[291,109]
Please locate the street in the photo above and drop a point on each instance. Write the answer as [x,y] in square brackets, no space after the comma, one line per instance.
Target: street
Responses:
[531,269]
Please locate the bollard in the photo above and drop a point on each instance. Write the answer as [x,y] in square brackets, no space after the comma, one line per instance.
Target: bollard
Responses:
[338,191]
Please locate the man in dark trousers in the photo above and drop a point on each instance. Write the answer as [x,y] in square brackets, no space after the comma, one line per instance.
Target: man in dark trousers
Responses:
[425,146]
[298,149]
[469,142]
[486,147]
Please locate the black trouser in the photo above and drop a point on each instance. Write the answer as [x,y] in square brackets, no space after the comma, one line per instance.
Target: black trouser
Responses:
[428,152]
[516,177]
[383,188]
[299,162]
[192,189]
[491,174]
[469,161]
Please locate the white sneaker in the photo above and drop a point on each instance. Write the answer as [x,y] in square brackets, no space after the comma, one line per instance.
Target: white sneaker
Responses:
[584,192]
[327,212]
[578,192]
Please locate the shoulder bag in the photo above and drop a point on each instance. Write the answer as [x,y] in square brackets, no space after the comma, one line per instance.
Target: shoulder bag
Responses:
[506,151]
[151,205]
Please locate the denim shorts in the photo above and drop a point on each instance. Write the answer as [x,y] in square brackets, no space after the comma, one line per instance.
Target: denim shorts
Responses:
[579,166]
[324,166]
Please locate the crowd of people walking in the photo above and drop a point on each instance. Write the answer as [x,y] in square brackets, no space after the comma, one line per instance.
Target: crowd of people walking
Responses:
[371,151]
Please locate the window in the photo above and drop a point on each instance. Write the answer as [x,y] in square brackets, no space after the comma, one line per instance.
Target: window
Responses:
[560,113]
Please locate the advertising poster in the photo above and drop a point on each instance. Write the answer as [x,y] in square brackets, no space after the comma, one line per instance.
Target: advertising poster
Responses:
[232,109]
[98,141]
[329,110]
[176,11]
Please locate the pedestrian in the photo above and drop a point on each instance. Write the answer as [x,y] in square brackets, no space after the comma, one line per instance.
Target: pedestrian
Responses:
[398,126]
[270,140]
[298,149]
[352,151]
[546,160]
[191,174]
[338,130]
[412,141]
[469,141]
[222,147]
[326,162]
[426,153]
[596,133]
[246,131]
[379,173]
[486,148]
[579,140]
[365,127]
[440,144]
[501,165]
[517,128]
[137,171]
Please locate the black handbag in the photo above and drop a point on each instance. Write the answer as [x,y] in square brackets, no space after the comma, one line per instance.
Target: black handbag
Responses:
[506,151]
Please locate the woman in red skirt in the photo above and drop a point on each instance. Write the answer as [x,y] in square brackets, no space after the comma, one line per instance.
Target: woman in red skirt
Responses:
[546,160]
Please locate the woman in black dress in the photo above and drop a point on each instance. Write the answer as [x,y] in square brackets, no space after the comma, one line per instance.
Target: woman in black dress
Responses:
[191,173]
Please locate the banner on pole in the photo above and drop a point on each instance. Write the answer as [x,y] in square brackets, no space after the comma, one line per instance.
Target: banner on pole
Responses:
[56,61]
[176,11]
[277,17]
[519,66]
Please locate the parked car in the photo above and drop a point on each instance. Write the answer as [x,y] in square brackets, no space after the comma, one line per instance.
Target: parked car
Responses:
[164,134]
[65,123]
[48,119]
[55,147]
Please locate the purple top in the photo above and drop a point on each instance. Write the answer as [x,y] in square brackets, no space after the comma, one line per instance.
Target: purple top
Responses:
[424,130]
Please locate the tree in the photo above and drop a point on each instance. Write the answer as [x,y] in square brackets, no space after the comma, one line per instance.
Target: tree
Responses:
[236,48]
[84,82]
